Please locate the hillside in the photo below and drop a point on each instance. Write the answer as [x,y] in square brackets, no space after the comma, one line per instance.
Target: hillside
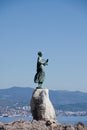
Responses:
[64,100]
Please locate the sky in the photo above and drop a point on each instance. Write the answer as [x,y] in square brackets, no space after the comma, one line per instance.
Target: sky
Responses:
[58,28]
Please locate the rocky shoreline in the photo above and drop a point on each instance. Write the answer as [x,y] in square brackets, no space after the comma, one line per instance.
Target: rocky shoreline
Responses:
[40,125]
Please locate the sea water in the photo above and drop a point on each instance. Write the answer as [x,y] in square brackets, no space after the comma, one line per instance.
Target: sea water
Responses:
[62,119]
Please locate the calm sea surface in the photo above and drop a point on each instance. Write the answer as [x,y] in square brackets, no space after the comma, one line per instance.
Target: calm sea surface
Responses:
[62,119]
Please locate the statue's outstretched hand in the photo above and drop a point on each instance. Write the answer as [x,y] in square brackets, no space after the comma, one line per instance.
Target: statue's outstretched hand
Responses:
[47,60]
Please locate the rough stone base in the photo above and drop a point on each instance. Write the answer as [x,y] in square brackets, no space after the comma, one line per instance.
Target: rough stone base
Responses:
[41,106]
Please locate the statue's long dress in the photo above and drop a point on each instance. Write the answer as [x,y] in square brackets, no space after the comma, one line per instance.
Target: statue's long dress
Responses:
[40,75]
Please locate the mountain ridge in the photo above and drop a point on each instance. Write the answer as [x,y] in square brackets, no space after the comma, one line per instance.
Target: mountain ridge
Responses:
[61,99]
[13,87]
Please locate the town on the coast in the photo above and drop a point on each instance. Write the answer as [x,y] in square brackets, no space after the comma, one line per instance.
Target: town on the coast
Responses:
[26,112]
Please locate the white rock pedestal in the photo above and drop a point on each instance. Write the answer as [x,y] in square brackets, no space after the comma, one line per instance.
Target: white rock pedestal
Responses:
[41,106]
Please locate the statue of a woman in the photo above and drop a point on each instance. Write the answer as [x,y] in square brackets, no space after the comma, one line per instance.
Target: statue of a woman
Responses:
[40,74]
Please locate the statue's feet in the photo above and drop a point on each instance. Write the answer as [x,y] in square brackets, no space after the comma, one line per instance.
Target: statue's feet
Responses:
[39,87]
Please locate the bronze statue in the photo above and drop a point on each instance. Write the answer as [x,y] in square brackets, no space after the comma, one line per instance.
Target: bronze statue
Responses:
[40,74]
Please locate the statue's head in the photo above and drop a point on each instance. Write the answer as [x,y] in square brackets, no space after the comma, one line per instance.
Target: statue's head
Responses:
[40,53]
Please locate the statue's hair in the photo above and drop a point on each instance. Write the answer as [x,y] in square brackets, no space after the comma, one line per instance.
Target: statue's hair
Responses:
[39,53]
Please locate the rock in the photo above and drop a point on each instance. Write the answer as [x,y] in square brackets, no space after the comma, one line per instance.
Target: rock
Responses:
[80,126]
[2,127]
[68,127]
[40,125]
[48,123]
[41,106]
